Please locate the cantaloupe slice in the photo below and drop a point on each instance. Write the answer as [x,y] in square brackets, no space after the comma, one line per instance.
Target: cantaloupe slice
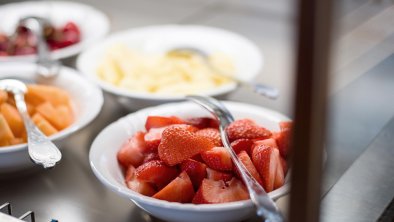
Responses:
[38,94]
[6,134]
[66,114]
[13,118]
[43,125]
[3,96]
[50,114]
[16,141]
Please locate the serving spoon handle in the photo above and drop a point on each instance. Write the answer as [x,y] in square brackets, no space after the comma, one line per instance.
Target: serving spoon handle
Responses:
[265,206]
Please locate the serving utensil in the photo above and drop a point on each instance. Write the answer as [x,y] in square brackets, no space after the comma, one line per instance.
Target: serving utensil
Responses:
[262,89]
[265,206]
[41,150]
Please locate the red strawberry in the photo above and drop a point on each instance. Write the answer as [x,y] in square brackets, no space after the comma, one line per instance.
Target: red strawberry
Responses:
[266,159]
[131,151]
[267,143]
[284,165]
[242,144]
[247,162]
[203,122]
[161,121]
[280,176]
[198,158]
[179,190]
[246,129]
[218,158]
[151,156]
[153,138]
[196,171]
[283,138]
[156,172]
[218,175]
[212,191]
[178,144]
[211,133]
[136,185]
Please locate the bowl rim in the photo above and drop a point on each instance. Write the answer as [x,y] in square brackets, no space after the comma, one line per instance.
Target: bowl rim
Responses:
[137,197]
[149,96]
[68,51]
[75,126]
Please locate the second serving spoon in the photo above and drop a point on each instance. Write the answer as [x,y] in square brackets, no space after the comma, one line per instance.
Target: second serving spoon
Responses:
[41,150]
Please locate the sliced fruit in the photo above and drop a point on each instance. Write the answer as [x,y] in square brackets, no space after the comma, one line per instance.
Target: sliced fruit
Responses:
[152,139]
[49,112]
[151,156]
[161,121]
[178,144]
[130,153]
[218,175]
[137,185]
[212,134]
[3,96]
[246,129]
[44,125]
[38,94]
[212,191]
[242,144]
[196,171]
[266,160]
[6,134]
[13,118]
[266,142]
[156,172]
[179,190]
[247,162]
[66,114]
[280,176]
[218,158]
[284,165]
[203,122]
[283,138]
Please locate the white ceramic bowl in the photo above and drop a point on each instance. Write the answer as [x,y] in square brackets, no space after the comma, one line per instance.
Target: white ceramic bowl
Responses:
[87,99]
[159,39]
[105,166]
[93,24]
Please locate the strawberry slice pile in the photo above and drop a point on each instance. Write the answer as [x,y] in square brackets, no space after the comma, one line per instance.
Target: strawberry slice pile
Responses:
[183,160]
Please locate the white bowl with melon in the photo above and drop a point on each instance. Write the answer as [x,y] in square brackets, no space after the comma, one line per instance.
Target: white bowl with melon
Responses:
[104,162]
[59,107]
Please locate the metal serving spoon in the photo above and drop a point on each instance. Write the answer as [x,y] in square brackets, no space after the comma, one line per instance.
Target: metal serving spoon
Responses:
[265,90]
[41,150]
[265,206]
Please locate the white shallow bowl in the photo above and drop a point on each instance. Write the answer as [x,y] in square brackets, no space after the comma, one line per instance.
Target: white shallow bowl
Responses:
[246,55]
[92,23]
[105,165]
[87,99]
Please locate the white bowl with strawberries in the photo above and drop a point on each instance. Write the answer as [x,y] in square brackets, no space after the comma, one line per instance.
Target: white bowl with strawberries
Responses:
[169,160]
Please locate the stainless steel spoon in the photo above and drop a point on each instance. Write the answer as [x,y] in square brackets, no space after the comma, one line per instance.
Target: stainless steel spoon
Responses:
[41,150]
[265,206]
[265,90]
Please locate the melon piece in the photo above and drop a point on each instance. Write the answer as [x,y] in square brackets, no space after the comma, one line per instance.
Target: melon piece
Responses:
[3,96]
[44,125]
[13,118]
[16,141]
[66,114]
[38,94]
[6,134]
[50,114]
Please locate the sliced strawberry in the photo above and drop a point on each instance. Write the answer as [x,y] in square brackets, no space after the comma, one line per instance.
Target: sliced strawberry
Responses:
[283,138]
[178,144]
[266,160]
[179,190]
[266,142]
[151,156]
[131,151]
[196,171]
[218,158]
[247,162]
[203,122]
[161,121]
[280,175]
[242,144]
[284,165]
[212,191]
[156,172]
[211,133]
[152,139]
[218,175]
[246,129]
[198,158]
[136,185]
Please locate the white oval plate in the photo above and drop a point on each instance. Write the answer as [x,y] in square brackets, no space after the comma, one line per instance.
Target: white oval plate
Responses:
[103,161]
[93,24]
[87,99]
